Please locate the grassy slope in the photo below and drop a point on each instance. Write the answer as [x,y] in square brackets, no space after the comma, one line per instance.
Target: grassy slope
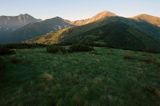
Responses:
[113,32]
[102,78]
[50,38]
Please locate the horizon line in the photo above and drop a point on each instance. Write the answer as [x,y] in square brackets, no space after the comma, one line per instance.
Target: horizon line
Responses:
[144,13]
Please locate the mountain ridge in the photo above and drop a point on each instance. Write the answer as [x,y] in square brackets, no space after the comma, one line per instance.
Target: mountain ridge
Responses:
[35,29]
[43,27]
[97,17]
[9,24]
[148,18]
[15,22]
[112,31]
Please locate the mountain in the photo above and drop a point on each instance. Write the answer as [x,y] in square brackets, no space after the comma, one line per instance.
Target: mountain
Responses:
[8,24]
[36,29]
[32,30]
[15,22]
[148,18]
[112,31]
[98,17]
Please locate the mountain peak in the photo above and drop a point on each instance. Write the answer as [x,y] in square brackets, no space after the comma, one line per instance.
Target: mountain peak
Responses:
[57,17]
[25,15]
[100,16]
[15,22]
[105,14]
[145,16]
[148,18]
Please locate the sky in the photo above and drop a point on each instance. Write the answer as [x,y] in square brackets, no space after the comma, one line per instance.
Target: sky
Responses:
[78,9]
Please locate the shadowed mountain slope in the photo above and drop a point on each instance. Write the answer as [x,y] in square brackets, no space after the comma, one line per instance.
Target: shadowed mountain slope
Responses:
[111,31]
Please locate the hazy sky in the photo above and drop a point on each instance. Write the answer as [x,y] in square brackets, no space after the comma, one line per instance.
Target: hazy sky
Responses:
[78,9]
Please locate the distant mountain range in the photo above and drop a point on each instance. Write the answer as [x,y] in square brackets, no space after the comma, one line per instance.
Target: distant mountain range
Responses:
[23,27]
[141,32]
[107,29]
[9,24]
[36,29]
[15,22]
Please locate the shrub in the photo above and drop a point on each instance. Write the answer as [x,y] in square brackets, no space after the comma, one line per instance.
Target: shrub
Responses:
[153,90]
[99,44]
[1,65]
[46,77]
[128,56]
[6,51]
[80,48]
[148,60]
[56,49]
[22,46]
[15,60]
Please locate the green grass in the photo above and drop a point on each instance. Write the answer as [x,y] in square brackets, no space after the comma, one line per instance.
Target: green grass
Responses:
[108,77]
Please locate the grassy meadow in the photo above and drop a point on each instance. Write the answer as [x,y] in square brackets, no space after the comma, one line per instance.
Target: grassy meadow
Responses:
[104,77]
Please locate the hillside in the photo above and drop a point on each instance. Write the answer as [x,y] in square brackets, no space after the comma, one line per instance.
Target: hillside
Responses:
[36,29]
[106,77]
[15,22]
[148,18]
[111,31]
[8,24]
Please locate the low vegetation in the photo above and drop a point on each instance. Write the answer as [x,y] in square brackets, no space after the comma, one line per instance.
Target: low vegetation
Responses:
[153,90]
[80,48]
[22,46]
[15,60]
[128,56]
[144,59]
[108,77]
[69,49]
[1,66]
[56,49]
[6,51]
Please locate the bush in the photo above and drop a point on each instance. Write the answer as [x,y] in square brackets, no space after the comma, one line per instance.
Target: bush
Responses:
[6,51]
[99,44]
[80,48]
[56,49]
[22,46]
[1,65]
[153,90]
[15,60]
[128,56]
